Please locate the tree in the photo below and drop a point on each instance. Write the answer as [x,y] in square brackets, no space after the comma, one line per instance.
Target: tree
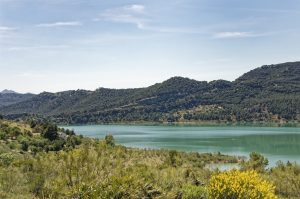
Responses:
[50,132]
[256,162]
[109,140]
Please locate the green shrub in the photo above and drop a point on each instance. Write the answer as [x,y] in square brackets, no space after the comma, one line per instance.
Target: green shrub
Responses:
[50,132]
[194,192]
[6,159]
[109,140]
[286,178]
[256,162]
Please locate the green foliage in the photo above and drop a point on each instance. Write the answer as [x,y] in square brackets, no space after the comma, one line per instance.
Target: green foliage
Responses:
[286,178]
[42,136]
[50,132]
[194,192]
[88,168]
[6,159]
[172,156]
[13,98]
[269,93]
[256,162]
[77,167]
[109,140]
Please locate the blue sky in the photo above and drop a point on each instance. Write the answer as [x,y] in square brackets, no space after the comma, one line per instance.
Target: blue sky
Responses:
[55,45]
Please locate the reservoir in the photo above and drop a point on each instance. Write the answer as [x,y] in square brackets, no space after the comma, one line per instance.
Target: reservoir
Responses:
[275,143]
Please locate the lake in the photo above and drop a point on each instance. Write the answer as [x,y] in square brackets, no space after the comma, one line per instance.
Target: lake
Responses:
[275,143]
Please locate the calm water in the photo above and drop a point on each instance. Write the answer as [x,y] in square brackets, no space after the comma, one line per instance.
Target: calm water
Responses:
[276,143]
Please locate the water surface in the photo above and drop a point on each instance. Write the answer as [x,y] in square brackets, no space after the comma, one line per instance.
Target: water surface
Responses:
[276,143]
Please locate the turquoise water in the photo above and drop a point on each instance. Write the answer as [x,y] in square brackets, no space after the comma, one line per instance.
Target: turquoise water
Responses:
[276,143]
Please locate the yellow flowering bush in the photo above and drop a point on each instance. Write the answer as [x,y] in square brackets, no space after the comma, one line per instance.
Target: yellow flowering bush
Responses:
[236,184]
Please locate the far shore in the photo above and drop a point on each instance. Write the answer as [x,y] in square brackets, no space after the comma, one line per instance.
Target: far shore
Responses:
[195,123]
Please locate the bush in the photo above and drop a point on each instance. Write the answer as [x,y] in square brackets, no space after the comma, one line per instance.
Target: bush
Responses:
[172,155]
[110,140]
[3,135]
[239,185]
[256,162]
[286,177]
[194,192]
[50,132]
[6,159]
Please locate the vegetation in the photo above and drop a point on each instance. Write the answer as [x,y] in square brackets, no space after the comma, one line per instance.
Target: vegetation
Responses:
[36,136]
[286,178]
[268,93]
[8,98]
[256,162]
[40,160]
[240,184]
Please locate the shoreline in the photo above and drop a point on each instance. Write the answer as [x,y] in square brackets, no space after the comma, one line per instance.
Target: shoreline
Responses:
[194,123]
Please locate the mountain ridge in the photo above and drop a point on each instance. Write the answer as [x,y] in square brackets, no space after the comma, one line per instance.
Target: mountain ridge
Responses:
[6,91]
[9,97]
[267,93]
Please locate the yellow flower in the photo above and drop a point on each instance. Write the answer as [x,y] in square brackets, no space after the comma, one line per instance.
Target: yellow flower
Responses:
[236,184]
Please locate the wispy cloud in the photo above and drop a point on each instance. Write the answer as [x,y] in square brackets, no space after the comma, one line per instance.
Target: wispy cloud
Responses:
[228,35]
[186,30]
[132,14]
[40,47]
[277,11]
[60,24]
[135,8]
[6,31]
[137,15]
[6,28]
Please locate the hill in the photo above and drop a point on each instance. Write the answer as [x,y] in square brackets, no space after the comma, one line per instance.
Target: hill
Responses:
[268,93]
[5,91]
[8,97]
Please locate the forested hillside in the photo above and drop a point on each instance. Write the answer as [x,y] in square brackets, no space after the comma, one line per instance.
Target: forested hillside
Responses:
[268,93]
[8,97]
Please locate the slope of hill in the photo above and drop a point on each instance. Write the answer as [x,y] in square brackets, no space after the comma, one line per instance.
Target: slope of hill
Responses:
[8,97]
[5,91]
[268,93]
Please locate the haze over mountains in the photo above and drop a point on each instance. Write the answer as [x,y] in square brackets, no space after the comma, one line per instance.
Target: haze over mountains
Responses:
[268,93]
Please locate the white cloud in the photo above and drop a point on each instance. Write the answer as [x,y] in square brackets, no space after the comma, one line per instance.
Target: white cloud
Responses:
[186,30]
[122,18]
[135,8]
[132,14]
[224,35]
[6,28]
[137,15]
[6,31]
[60,23]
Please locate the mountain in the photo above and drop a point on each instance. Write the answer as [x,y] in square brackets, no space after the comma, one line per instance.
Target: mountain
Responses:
[268,93]
[9,97]
[6,91]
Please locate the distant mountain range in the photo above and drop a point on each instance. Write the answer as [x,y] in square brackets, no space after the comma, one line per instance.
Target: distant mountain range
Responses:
[268,93]
[8,97]
[5,91]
